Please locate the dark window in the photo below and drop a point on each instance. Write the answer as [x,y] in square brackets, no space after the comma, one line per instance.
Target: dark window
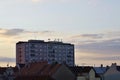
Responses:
[32,55]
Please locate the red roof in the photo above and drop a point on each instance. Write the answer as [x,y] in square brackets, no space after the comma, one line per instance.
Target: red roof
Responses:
[38,68]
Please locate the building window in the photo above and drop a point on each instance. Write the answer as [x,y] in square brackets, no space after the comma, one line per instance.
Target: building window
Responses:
[32,55]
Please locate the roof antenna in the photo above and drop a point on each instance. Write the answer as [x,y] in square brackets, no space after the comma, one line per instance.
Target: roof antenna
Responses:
[8,64]
[35,37]
[61,40]
[48,39]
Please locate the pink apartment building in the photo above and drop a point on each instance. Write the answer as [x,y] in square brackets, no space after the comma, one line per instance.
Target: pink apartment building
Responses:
[39,50]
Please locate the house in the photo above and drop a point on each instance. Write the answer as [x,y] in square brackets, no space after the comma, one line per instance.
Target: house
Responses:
[85,73]
[113,73]
[7,73]
[2,70]
[100,71]
[44,71]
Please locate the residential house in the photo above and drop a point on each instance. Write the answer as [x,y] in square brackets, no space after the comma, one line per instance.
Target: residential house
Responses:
[44,71]
[2,70]
[85,73]
[113,73]
[100,71]
[7,73]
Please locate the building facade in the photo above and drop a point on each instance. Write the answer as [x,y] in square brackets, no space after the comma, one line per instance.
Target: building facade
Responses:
[39,50]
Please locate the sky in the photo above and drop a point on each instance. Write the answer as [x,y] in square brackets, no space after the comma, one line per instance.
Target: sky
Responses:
[92,25]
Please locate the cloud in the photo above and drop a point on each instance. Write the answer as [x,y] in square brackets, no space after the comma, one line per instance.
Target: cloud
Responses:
[106,58]
[17,32]
[113,34]
[101,47]
[97,48]
[94,36]
[91,38]
[46,32]
[7,59]
[11,32]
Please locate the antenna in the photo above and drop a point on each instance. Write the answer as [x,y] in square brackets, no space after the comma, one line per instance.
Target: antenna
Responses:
[8,64]
[55,39]
[58,39]
[48,39]
[35,37]
[61,40]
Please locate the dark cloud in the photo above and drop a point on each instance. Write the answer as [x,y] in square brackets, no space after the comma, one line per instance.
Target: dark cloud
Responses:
[13,32]
[93,36]
[104,47]
[107,58]
[17,31]
[7,59]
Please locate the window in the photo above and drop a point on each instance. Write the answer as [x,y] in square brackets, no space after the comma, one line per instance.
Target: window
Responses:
[32,55]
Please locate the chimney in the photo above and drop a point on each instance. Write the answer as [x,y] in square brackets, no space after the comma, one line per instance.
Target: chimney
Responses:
[115,64]
[101,66]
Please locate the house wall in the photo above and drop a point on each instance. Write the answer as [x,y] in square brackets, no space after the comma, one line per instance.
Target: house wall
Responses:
[92,75]
[97,79]
[1,77]
[81,78]
[20,53]
[112,77]
[63,73]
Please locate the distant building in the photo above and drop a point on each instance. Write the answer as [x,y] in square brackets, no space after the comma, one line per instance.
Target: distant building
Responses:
[113,73]
[85,73]
[100,71]
[7,73]
[39,50]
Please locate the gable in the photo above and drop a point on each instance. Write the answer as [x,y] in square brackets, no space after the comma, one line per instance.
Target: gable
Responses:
[63,73]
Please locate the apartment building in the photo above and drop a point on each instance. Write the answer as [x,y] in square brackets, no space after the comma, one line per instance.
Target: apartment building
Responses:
[39,50]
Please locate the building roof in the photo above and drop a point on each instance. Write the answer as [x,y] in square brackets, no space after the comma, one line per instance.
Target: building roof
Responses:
[34,78]
[80,70]
[42,41]
[38,68]
[100,70]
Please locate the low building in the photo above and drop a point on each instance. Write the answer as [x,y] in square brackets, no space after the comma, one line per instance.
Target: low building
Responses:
[7,73]
[85,73]
[2,70]
[44,71]
[100,71]
[113,73]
